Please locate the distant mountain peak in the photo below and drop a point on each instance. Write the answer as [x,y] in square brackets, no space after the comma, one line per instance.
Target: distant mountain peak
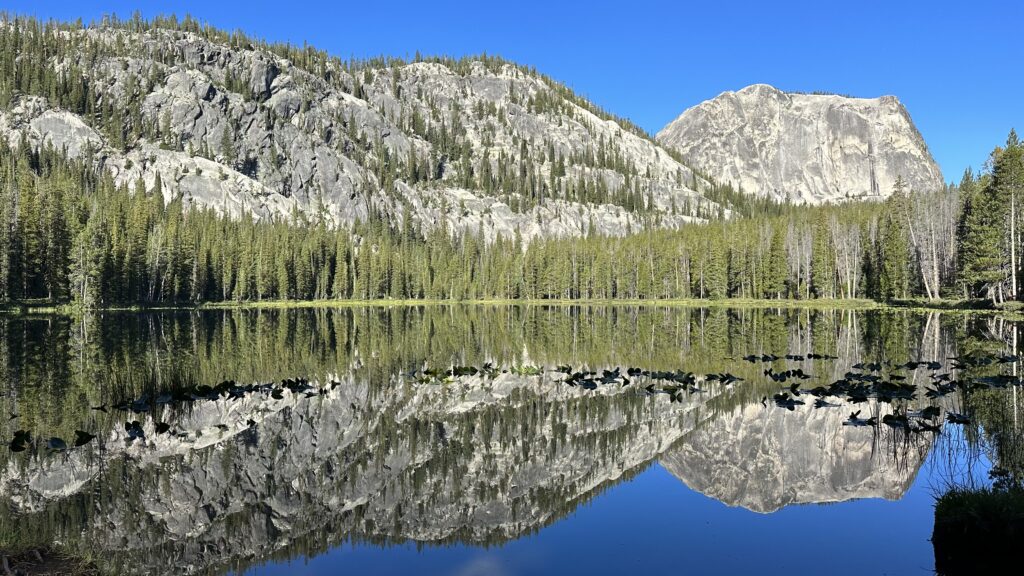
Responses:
[801,147]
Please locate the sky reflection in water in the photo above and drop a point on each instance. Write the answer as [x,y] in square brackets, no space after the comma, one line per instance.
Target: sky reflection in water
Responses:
[654,524]
[614,480]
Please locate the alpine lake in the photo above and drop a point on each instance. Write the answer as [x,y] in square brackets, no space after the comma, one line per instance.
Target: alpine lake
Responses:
[500,440]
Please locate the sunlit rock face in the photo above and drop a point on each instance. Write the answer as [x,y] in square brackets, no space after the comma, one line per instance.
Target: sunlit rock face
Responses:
[804,147]
[765,458]
[242,130]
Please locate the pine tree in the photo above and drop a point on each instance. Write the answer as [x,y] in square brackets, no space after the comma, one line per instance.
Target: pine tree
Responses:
[87,255]
[823,279]
[982,265]
[893,259]
[227,144]
[1008,184]
[778,266]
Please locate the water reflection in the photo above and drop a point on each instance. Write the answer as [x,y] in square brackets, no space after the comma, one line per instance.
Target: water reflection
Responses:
[380,457]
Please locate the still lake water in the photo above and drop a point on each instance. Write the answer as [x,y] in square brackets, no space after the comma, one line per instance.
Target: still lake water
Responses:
[374,468]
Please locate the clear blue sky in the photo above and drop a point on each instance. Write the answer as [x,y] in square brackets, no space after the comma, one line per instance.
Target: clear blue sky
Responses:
[957,66]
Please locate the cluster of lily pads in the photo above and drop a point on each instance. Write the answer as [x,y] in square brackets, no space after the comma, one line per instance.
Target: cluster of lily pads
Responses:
[23,439]
[446,376]
[673,383]
[676,384]
[867,382]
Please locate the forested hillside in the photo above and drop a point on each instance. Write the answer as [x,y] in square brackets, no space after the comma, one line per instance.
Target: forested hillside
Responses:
[74,235]
[245,127]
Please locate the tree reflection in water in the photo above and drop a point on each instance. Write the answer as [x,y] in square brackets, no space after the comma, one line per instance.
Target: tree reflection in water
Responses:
[382,457]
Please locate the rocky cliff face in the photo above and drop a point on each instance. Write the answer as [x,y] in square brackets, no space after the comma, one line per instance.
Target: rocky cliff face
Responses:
[478,145]
[803,147]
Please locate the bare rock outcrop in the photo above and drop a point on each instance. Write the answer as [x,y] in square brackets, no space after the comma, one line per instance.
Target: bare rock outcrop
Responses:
[810,148]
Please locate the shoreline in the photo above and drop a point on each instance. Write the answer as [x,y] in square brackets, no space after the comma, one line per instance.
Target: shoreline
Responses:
[24,309]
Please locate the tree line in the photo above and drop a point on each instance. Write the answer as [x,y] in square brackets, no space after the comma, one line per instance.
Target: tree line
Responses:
[71,235]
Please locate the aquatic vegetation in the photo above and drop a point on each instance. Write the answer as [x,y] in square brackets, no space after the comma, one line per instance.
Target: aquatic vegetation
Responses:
[978,531]
[856,420]
[20,441]
[369,425]
[82,438]
[957,418]
[865,382]
[56,444]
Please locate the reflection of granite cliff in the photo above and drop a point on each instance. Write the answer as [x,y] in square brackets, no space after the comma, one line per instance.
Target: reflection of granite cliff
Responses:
[475,460]
[766,459]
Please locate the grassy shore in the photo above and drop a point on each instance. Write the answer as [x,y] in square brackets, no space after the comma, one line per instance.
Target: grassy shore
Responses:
[978,531]
[962,306]
[687,303]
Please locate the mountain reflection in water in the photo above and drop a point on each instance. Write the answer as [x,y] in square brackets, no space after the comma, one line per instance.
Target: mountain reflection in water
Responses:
[383,457]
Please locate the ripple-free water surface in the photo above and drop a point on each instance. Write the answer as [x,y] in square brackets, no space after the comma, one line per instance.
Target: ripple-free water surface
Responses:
[654,524]
[387,471]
